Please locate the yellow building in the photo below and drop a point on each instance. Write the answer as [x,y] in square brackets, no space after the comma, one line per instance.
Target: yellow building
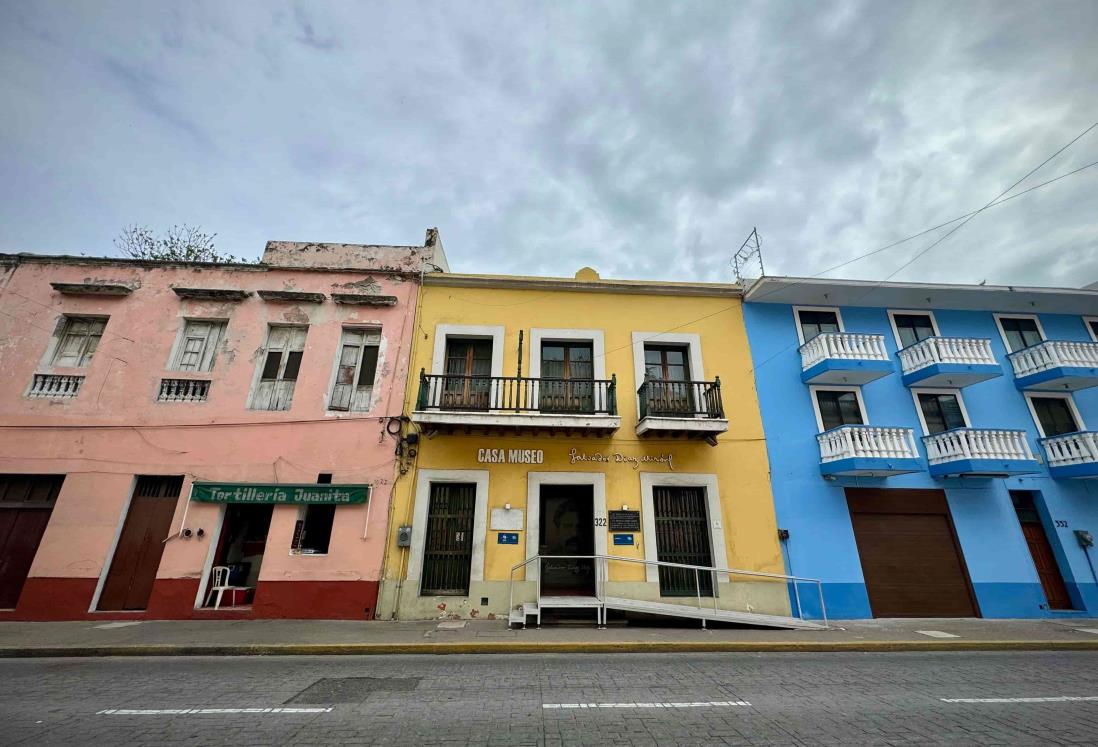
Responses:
[580,417]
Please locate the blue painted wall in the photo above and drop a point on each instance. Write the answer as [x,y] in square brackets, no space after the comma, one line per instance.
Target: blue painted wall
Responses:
[821,543]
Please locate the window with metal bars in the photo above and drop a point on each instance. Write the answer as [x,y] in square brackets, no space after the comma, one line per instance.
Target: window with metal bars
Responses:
[682,536]
[448,546]
[280,363]
[354,382]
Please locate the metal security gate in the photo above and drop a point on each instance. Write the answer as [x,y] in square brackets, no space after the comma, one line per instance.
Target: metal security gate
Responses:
[682,536]
[448,549]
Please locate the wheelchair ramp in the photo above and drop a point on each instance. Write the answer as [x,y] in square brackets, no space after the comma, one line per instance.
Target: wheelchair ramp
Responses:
[693,613]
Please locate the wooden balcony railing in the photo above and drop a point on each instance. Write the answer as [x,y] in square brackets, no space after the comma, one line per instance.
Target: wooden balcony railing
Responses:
[519,394]
[681,399]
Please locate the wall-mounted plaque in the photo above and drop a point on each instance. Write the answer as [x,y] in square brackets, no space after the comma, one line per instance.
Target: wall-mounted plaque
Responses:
[624,521]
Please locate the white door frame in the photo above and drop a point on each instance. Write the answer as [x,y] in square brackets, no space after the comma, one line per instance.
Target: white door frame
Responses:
[534,481]
[708,482]
[424,479]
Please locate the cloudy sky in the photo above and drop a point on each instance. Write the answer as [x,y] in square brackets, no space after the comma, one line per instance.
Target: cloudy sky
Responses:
[644,139]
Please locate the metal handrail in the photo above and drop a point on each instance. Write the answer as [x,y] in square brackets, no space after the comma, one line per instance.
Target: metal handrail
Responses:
[606,559]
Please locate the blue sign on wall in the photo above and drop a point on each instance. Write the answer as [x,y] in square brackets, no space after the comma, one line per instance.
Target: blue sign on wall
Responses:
[507,538]
[623,539]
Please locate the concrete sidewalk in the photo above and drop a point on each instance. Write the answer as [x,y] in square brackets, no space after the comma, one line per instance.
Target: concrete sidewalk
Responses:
[314,637]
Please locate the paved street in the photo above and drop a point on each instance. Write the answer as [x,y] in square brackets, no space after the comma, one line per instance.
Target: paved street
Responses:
[692,699]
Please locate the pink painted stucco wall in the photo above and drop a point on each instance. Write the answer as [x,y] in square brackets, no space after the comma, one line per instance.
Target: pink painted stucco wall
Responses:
[219,439]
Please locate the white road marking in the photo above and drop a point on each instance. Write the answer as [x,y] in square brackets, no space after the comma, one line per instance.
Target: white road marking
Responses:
[1051,699]
[703,704]
[108,626]
[201,711]
[1087,630]
[451,625]
[936,634]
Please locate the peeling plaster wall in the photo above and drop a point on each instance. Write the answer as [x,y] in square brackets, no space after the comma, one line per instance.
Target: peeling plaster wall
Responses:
[214,440]
[427,258]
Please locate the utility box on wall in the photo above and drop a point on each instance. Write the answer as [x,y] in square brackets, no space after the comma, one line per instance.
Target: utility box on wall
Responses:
[404,536]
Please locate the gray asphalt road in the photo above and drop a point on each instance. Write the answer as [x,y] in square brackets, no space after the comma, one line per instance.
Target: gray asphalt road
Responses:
[658,699]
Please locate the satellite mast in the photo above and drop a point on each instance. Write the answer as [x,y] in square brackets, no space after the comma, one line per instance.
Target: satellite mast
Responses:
[749,253]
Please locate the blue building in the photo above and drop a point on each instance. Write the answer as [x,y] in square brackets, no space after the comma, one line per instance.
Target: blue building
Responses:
[929,445]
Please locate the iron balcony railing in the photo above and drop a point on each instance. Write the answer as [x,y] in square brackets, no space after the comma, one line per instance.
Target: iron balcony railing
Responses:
[681,399]
[545,395]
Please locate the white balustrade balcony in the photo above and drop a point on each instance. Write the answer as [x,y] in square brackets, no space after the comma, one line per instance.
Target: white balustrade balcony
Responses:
[1056,365]
[844,358]
[1072,454]
[948,361]
[979,452]
[868,450]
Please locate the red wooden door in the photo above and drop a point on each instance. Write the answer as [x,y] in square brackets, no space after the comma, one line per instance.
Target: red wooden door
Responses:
[1047,569]
[141,544]
[21,530]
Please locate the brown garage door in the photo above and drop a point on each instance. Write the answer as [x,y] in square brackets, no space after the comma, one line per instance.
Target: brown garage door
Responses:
[910,556]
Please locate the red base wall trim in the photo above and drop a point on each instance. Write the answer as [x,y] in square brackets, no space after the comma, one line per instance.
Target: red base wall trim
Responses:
[46,599]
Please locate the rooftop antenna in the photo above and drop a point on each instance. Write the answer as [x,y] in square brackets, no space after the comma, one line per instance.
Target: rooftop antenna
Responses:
[748,253]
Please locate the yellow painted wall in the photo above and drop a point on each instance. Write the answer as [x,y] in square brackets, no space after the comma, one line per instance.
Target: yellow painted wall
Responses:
[739,458]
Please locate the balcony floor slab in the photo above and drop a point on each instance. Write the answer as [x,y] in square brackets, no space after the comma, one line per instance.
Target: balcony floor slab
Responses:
[502,420]
[1059,379]
[871,467]
[985,467]
[696,427]
[845,371]
[1085,470]
[952,374]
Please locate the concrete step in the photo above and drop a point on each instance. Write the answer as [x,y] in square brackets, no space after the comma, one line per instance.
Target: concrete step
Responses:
[519,615]
[677,610]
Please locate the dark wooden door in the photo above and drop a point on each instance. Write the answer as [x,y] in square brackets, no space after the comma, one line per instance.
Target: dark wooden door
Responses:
[26,502]
[468,383]
[682,536]
[567,527]
[448,550]
[911,560]
[567,373]
[1048,570]
[21,531]
[141,544]
[667,374]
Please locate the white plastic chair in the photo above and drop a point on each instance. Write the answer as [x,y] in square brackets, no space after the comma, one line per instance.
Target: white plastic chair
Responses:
[219,583]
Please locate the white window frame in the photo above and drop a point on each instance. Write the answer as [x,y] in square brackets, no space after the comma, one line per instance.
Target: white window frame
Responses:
[689,339]
[424,479]
[797,318]
[813,388]
[375,394]
[540,335]
[534,483]
[58,337]
[913,312]
[928,390]
[443,332]
[1087,321]
[181,336]
[999,325]
[1053,395]
[706,481]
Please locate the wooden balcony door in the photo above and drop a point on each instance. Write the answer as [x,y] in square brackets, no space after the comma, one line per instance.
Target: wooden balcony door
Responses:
[567,377]
[667,370]
[466,359]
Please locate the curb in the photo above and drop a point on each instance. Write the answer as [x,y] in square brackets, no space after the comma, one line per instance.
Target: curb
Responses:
[625,647]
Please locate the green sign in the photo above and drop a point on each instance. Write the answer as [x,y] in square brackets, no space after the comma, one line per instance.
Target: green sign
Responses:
[299,493]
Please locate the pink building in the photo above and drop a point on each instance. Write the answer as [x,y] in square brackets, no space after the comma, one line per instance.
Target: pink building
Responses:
[196,440]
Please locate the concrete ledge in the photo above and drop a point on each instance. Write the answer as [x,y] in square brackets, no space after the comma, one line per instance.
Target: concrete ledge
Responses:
[621,647]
